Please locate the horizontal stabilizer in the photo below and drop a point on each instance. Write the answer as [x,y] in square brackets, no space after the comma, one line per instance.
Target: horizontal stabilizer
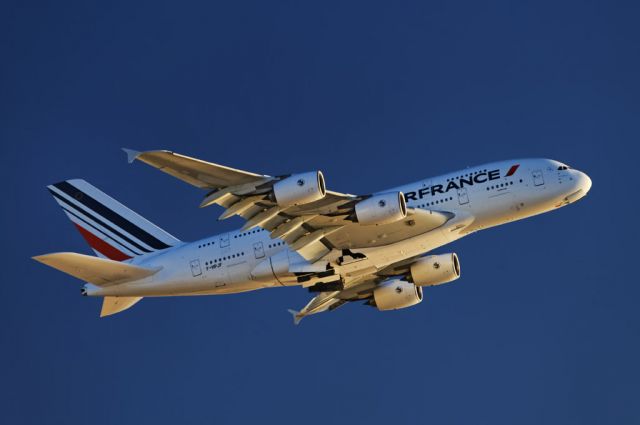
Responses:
[99,271]
[113,305]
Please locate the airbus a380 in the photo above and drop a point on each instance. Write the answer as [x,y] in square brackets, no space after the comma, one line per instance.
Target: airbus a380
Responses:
[374,248]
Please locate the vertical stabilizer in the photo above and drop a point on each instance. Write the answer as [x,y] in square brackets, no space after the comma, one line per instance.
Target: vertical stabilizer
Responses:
[112,230]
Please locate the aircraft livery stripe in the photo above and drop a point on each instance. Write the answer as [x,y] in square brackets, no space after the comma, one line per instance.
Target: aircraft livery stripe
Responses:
[100,222]
[512,170]
[98,231]
[101,246]
[110,215]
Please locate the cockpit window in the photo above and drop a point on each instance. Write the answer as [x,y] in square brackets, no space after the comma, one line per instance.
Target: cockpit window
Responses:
[563,167]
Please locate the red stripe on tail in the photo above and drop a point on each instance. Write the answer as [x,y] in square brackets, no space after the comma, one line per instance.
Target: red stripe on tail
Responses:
[512,170]
[101,246]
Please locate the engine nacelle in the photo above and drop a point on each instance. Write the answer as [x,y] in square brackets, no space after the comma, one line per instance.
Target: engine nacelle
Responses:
[299,189]
[395,294]
[381,209]
[435,270]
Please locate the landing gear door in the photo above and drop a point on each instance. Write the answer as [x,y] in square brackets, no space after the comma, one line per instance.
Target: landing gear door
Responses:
[538,179]
[463,196]
[258,250]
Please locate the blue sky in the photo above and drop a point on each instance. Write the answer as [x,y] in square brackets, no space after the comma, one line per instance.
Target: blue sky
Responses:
[542,327]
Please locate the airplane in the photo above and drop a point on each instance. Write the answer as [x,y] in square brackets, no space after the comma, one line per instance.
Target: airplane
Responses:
[375,248]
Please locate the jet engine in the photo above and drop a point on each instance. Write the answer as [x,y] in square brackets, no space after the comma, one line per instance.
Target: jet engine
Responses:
[435,270]
[381,209]
[299,189]
[394,294]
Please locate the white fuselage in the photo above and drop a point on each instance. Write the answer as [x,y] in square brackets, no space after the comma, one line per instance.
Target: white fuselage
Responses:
[480,197]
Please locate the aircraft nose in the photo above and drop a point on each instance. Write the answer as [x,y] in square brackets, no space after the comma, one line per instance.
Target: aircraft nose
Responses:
[584,182]
[581,185]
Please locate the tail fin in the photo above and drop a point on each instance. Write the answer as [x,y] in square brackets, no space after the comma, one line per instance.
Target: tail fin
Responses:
[112,230]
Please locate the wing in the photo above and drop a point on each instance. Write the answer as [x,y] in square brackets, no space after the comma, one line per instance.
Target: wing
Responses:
[201,174]
[312,229]
[360,289]
[329,301]
[358,283]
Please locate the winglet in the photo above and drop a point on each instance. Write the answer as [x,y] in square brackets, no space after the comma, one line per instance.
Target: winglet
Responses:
[297,317]
[131,154]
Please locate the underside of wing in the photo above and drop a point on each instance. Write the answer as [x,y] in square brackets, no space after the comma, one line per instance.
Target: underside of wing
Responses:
[417,222]
[297,208]
[314,233]
[329,301]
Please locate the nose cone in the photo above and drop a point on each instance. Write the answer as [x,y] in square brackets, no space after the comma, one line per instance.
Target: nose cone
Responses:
[581,185]
[585,182]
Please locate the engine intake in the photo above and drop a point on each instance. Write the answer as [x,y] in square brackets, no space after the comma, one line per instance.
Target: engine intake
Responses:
[299,189]
[395,294]
[381,209]
[435,270]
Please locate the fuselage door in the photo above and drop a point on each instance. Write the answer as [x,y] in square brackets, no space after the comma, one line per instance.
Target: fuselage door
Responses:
[224,240]
[258,250]
[538,179]
[463,196]
[195,268]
